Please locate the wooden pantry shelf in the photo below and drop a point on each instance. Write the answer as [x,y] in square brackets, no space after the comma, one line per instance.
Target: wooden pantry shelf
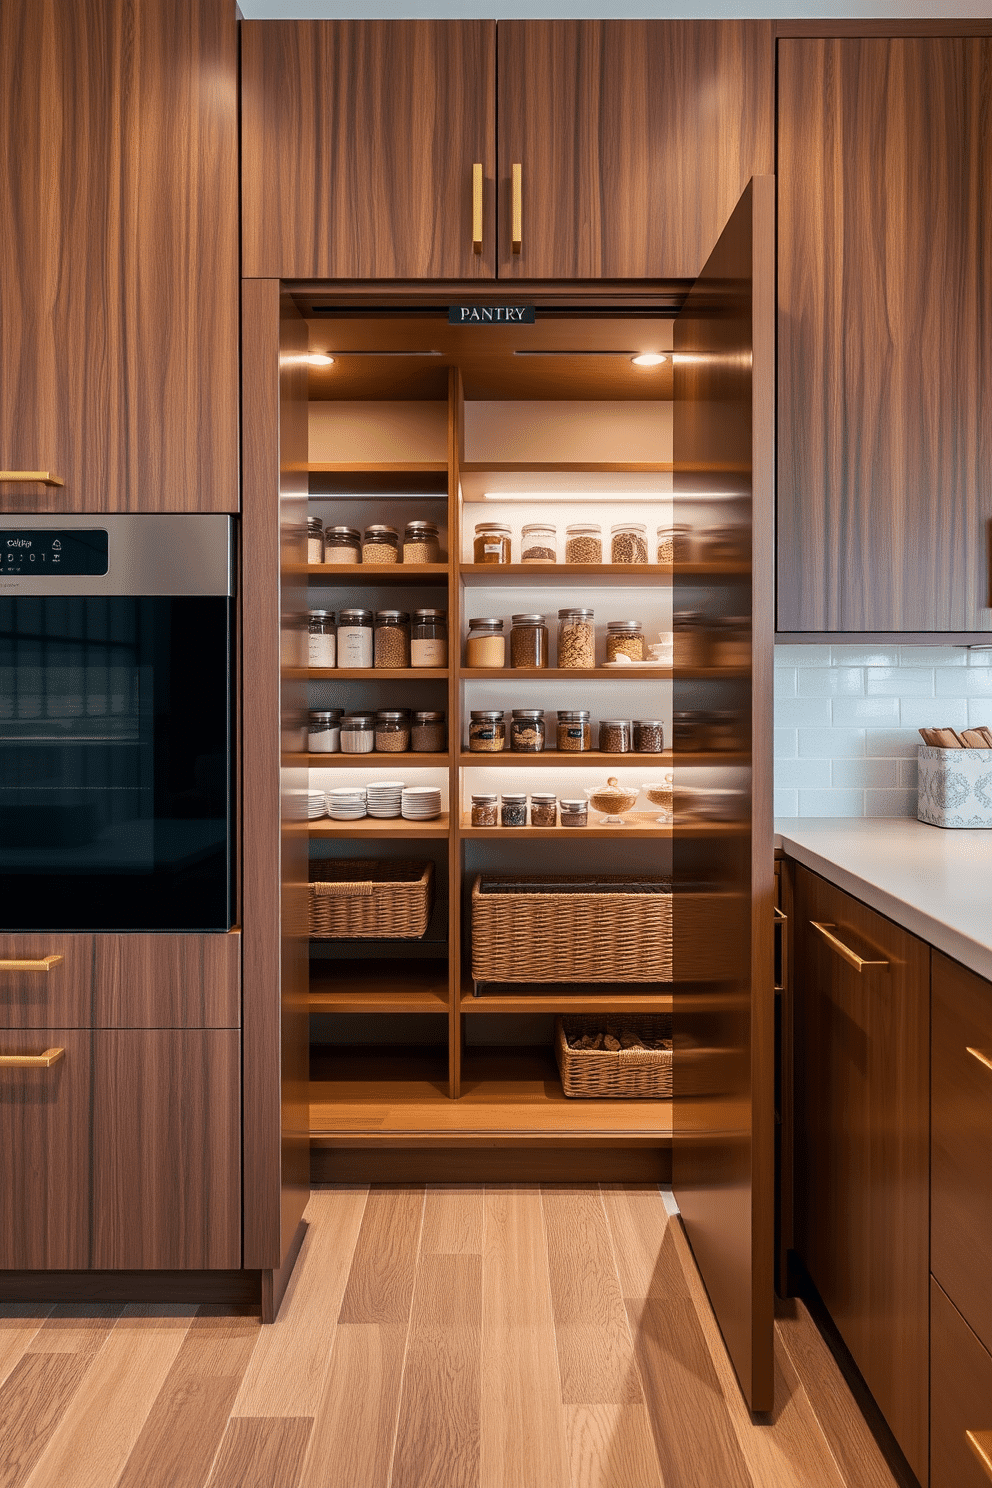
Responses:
[570,467]
[427,574]
[363,986]
[532,1000]
[366,674]
[373,467]
[383,760]
[639,824]
[599,574]
[549,757]
[372,827]
[565,674]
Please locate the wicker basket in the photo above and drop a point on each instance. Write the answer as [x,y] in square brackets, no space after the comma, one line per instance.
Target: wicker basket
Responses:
[365,899]
[536,935]
[621,1074]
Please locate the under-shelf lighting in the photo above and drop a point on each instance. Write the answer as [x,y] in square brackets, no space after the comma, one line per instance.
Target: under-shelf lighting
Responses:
[318,359]
[607,496]
[648,359]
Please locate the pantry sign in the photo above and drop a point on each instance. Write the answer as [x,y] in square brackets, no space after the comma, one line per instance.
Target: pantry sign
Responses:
[491,315]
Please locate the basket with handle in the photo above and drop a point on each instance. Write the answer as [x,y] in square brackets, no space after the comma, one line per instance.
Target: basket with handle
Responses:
[368,899]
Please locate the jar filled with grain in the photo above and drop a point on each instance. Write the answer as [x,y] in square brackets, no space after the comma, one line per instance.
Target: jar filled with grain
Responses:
[421,543]
[428,733]
[392,732]
[614,735]
[692,639]
[492,542]
[485,810]
[357,733]
[584,543]
[342,545]
[321,639]
[529,642]
[649,736]
[675,543]
[574,813]
[486,731]
[576,639]
[429,639]
[527,732]
[543,809]
[485,645]
[324,730]
[513,812]
[354,638]
[624,638]
[731,642]
[574,730]
[539,543]
[380,544]
[392,638]
[726,544]
[315,540]
[629,542]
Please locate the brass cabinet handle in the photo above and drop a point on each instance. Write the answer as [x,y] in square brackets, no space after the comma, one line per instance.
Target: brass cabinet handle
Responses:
[851,957]
[982,1058]
[781,922]
[44,476]
[477,208]
[43,963]
[517,233]
[980,1443]
[32,1061]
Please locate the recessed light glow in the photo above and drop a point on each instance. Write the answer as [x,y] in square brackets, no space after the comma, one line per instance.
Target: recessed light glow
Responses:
[540,496]
[648,359]
[318,359]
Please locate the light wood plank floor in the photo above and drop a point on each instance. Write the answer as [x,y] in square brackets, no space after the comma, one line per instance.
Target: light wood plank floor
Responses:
[506,1337]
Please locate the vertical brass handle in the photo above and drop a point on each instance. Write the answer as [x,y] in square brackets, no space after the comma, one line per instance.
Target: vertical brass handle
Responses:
[782,925]
[851,957]
[980,1443]
[46,477]
[517,234]
[18,963]
[32,1061]
[477,208]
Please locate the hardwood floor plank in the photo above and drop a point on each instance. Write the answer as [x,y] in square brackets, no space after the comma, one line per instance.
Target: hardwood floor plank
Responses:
[286,1369]
[380,1283]
[595,1354]
[355,1426]
[523,1441]
[454,1220]
[33,1400]
[261,1452]
[611,1446]
[76,1328]
[638,1221]
[19,1322]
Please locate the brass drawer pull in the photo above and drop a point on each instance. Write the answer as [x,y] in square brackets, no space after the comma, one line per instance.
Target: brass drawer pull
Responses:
[851,957]
[980,1443]
[477,208]
[32,1061]
[45,477]
[982,1058]
[781,924]
[517,231]
[43,963]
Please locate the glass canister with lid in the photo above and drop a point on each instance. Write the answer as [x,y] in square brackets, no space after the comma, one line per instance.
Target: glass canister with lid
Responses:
[485,645]
[629,542]
[421,543]
[539,543]
[574,730]
[649,736]
[485,809]
[354,638]
[513,812]
[487,731]
[624,638]
[529,642]
[584,542]
[324,730]
[322,643]
[315,540]
[574,813]
[543,809]
[429,639]
[392,638]
[614,735]
[358,733]
[392,731]
[492,542]
[576,639]
[527,732]
[342,545]
[380,544]
[428,733]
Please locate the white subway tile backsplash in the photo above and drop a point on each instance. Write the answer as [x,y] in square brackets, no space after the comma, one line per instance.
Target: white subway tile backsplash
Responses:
[892,743]
[803,713]
[810,773]
[972,682]
[861,773]
[877,711]
[868,656]
[802,656]
[786,743]
[979,658]
[939,712]
[890,803]
[786,803]
[785,682]
[908,773]
[899,682]
[814,682]
[831,803]
[835,743]
[932,656]
[979,712]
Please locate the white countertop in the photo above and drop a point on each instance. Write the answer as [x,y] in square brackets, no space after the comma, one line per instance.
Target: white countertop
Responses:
[935,882]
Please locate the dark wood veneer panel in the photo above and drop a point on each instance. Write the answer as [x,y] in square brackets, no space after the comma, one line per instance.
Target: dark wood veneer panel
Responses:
[960,1398]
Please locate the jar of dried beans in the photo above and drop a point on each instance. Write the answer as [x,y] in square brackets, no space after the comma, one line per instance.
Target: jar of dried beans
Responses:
[514,810]
[543,809]
[574,730]
[614,735]
[629,542]
[529,642]
[485,812]
[392,638]
[421,543]
[380,544]
[584,543]
[539,543]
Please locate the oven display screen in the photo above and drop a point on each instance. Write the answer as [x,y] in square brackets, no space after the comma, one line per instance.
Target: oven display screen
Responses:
[42,551]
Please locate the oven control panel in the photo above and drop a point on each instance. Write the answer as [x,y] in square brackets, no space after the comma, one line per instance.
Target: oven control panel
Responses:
[53,551]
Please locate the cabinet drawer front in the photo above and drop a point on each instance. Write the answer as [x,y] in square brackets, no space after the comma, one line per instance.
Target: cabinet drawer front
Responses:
[120,981]
[960,1396]
[961,1140]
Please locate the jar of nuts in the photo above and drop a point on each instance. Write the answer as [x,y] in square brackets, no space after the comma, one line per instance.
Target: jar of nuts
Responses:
[529,642]
[527,731]
[492,542]
[485,810]
[543,809]
[487,731]
[576,639]
[614,735]
[539,543]
[392,639]
[584,543]
[380,544]
[624,638]
[629,542]
[514,810]
[574,813]
[574,730]
[421,543]
[649,736]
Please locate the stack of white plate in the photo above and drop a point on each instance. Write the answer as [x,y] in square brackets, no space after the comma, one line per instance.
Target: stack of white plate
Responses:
[384,797]
[346,802]
[421,802]
[316,806]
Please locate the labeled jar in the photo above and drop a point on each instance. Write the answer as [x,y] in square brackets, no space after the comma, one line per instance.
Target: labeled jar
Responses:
[380,544]
[574,813]
[574,730]
[315,540]
[354,638]
[527,731]
[513,812]
[629,542]
[624,638]
[584,543]
[392,638]
[392,732]
[322,641]
[649,736]
[529,642]
[543,809]
[429,638]
[342,545]
[487,731]
[492,542]
[614,735]
[357,733]
[576,639]
[485,645]
[324,730]
[539,543]
[428,732]
[485,812]
[421,543]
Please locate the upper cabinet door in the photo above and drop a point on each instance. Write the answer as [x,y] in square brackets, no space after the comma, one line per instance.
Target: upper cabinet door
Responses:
[119,254]
[885,329]
[634,140]
[361,142]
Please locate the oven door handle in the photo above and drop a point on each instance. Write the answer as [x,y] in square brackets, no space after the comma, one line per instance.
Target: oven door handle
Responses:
[18,963]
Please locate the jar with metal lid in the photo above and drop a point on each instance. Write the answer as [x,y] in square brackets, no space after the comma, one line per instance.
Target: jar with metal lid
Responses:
[731,642]
[392,638]
[487,731]
[342,545]
[724,731]
[421,543]
[614,735]
[357,733]
[527,731]
[315,540]
[485,645]
[675,543]
[428,732]
[539,543]
[649,736]
[692,639]
[485,811]
[574,730]
[543,809]
[322,642]
[574,813]
[629,542]
[354,638]
[380,544]
[392,732]
[726,544]
[624,638]
[529,642]
[429,639]
[492,542]
[576,639]
[584,542]
[324,730]
[513,812]
[687,732]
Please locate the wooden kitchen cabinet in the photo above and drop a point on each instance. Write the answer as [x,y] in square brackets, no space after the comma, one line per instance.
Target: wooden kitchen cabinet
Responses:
[885,320]
[961,1397]
[119,254]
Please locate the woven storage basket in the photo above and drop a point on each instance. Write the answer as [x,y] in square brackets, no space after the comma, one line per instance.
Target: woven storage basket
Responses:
[615,1074]
[365,899]
[528,936]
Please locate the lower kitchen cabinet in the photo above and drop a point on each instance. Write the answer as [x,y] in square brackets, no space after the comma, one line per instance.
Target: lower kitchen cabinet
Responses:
[961,1397]
[123,1153]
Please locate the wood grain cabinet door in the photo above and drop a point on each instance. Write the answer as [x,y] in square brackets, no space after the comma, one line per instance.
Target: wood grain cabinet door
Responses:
[359,140]
[863,1057]
[635,140]
[119,254]
[960,1397]
[885,323]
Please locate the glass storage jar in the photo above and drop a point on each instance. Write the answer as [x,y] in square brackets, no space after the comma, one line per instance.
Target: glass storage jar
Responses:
[392,638]
[428,733]
[649,736]
[392,732]
[357,733]
[315,540]
[485,645]
[421,543]
[487,731]
[574,813]
[629,542]
[574,730]
[614,735]
[675,544]
[380,544]
[429,639]
[324,730]
[539,543]
[687,731]
[624,638]
[613,798]
[543,809]
[342,545]
[527,731]
[731,642]
[529,642]
[726,544]
[354,638]
[660,795]
[492,542]
[485,812]
[322,643]
[584,543]
[692,639]
[576,639]
[514,810]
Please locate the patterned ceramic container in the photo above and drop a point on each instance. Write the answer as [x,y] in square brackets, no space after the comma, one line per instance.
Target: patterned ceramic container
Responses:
[955,787]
